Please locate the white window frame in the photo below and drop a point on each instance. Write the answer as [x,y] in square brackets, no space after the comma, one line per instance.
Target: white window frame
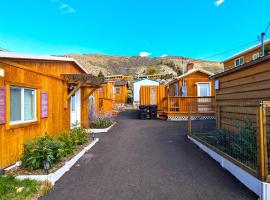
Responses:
[210,87]
[255,56]
[22,121]
[238,59]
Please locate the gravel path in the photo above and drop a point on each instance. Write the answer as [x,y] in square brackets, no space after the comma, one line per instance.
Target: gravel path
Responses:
[143,160]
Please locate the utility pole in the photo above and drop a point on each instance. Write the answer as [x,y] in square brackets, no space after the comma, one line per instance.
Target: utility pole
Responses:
[261,38]
[262,41]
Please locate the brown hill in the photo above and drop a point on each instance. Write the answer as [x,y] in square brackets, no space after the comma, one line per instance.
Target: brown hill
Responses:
[134,65]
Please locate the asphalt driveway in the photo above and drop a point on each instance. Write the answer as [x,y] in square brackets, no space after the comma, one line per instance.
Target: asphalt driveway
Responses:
[143,160]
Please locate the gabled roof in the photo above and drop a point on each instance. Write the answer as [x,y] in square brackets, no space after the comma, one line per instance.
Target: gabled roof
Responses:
[191,72]
[120,83]
[247,50]
[5,54]
[145,79]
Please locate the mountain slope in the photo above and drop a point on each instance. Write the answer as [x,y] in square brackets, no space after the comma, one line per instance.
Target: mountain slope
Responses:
[112,65]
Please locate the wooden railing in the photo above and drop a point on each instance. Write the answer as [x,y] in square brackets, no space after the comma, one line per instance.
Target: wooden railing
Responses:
[177,104]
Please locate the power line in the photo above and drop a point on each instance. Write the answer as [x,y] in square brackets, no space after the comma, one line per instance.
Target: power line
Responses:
[228,51]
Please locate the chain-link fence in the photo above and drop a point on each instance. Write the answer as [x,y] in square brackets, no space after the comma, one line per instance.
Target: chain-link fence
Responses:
[233,133]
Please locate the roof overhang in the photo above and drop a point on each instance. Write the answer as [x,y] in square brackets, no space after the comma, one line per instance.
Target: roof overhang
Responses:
[189,73]
[12,55]
[244,66]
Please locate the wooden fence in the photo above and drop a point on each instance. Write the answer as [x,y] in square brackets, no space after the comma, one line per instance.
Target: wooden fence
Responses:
[179,104]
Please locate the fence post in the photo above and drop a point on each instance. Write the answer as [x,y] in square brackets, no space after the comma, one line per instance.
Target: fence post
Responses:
[189,121]
[168,104]
[218,117]
[262,168]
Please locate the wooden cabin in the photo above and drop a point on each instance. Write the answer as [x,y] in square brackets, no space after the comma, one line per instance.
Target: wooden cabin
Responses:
[38,95]
[106,98]
[248,55]
[239,92]
[193,87]
[137,86]
[152,95]
[120,92]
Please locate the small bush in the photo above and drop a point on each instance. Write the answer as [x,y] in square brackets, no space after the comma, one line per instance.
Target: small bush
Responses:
[68,144]
[101,123]
[79,135]
[241,145]
[40,149]
[52,149]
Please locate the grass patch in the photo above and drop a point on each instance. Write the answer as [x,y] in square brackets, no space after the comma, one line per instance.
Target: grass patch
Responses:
[14,189]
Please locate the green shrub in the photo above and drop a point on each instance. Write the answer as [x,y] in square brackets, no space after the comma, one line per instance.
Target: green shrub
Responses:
[79,135]
[68,144]
[40,149]
[101,123]
[241,145]
[52,149]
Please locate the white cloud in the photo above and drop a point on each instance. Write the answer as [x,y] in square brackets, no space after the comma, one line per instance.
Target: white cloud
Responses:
[66,9]
[145,54]
[219,2]
[164,55]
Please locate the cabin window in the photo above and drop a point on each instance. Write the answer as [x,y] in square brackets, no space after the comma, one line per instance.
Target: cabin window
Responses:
[117,90]
[239,61]
[22,105]
[73,103]
[255,56]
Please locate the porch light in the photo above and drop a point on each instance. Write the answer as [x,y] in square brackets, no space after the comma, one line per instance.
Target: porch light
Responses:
[2,171]
[46,165]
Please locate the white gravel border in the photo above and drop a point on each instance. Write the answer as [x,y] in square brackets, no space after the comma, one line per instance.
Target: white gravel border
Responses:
[105,130]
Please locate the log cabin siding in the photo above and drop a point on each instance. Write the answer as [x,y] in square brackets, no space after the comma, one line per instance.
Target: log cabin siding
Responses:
[241,92]
[43,76]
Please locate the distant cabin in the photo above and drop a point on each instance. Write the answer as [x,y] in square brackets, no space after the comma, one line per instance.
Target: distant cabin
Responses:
[250,54]
[136,88]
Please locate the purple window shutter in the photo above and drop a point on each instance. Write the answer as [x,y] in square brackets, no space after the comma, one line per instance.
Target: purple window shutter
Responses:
[44,104]
[2,105]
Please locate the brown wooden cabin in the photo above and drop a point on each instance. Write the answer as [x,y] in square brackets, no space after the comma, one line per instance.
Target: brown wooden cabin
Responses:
[105,99]
[152,95]
[193,87]
[239,92]
[247,55]
[120,92]
[40,95]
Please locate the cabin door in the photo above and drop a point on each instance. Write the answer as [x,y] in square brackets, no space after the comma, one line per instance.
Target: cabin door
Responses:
[75,109]
[204,90]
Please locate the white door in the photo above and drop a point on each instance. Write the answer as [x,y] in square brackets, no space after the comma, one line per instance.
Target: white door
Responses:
[204,90]
[75,109]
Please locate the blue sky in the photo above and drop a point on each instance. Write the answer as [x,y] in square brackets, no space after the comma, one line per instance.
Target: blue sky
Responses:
[194,28]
